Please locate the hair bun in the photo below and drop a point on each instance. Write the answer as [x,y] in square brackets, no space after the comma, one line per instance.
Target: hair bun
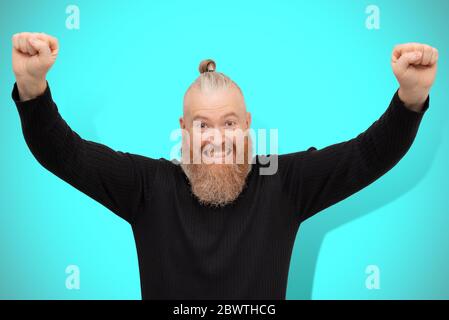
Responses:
[208,65]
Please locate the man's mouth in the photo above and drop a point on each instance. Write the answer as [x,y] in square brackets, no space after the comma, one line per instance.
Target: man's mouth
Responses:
[214,152]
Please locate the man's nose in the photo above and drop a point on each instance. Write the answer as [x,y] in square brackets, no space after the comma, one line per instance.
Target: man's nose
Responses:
[215,136]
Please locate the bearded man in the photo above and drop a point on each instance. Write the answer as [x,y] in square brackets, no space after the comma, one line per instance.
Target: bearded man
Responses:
[212,226]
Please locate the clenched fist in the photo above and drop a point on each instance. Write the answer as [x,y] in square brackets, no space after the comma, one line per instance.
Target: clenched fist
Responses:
[33,54]
[415,67]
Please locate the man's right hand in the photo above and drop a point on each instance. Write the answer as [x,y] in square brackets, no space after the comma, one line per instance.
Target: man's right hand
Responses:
[33,54]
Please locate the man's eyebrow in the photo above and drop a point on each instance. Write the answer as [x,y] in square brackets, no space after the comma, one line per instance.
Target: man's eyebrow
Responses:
[199,117]
[230,114]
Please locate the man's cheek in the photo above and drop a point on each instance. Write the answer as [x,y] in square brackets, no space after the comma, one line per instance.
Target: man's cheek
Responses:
[196,152]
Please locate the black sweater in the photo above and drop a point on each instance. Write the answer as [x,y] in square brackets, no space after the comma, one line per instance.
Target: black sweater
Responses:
[241,251]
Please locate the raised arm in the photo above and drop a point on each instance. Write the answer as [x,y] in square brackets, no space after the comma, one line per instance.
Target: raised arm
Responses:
[113,178]
[316,179]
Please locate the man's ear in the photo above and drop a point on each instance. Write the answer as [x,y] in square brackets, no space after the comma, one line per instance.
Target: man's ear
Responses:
[248,120]
[181,123]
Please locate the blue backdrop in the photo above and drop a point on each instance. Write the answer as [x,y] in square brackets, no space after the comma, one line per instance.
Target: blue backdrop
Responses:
[311,69]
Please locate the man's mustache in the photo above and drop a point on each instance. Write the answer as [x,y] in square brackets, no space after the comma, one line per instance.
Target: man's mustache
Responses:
[213,148]
[221,151]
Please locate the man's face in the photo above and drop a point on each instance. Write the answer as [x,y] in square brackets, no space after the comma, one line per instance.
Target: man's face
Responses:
[216,154]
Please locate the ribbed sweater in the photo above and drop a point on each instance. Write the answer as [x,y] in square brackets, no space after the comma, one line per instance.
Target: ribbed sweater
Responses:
[190,251]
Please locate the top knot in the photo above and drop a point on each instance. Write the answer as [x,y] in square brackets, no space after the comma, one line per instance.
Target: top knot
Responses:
[208,65]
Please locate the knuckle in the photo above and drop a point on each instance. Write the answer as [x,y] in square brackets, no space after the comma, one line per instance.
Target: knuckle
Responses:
[398,47]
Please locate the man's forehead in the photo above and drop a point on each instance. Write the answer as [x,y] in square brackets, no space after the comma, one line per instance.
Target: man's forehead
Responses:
[214,102]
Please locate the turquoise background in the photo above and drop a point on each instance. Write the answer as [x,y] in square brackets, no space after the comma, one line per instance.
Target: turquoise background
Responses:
[311,69]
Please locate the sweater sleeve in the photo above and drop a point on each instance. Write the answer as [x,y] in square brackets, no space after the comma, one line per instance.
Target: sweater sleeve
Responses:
[113,178]
[316,179]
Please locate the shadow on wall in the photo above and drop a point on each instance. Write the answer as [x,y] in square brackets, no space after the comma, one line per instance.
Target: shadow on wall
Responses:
[411,170]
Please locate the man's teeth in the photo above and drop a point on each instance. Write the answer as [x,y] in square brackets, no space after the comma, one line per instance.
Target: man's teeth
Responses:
[217,154]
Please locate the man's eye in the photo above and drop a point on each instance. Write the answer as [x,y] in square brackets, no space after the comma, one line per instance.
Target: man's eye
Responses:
[203,125]
[230,123]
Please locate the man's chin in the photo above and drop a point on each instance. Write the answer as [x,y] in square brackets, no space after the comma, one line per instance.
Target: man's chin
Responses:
[216,184]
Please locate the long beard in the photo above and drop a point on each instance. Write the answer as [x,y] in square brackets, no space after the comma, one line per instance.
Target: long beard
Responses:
[218,185]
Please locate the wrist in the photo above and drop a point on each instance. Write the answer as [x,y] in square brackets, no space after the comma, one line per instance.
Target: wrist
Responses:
[31,88]
[413,100]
